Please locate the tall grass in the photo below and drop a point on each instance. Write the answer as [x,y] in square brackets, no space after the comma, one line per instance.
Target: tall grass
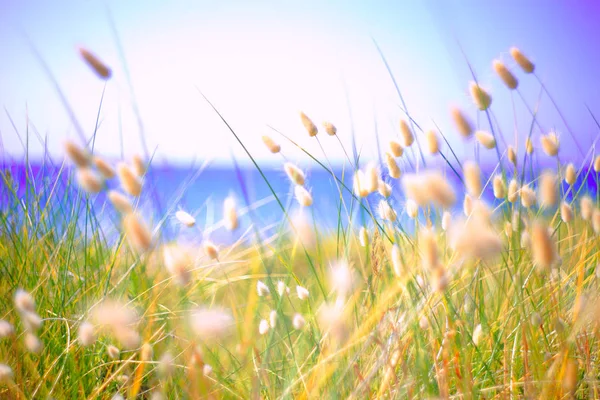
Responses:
[496,298]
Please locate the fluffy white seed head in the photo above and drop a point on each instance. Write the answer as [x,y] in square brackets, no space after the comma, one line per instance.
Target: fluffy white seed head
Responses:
[342,278]
[207,370]
[412,208]
[570,174]
[263,326]
[6,373]
[86,334]
[282,288]
[507,77]
[406,133]
[302,292]
[384,189]
[89,180]
[76,154]
[271,145]
[528,197]
[446,220]
[24,302]
[550,144]
[512,155]
[477,334]
[330,128]
[262,289]
[433,144]
[146,352]
[210,249]
[113,352]
[130,182]
[210,324]
[310,127]
[429,187]
[31,321]
[363,236]
[429,249]
[179,263]
[230,214]
[185,218]
[474,238]
[543,247]
[294,173]
[486,139]
[396,148]
[32,343]
[138,165]
[392,165]
[499,187]
[120,320]
[166,365]
[566,212]
[525,63]
[105,169]
[472,175]
[120,202]
[480,96]
[597,164]
[513,191]
[303,196]
[298,322]
[137,232]
[273,319]
[529,146]
[386,212]
[586,206]
[463,125]
[371,182]
[6,329]
[548,189]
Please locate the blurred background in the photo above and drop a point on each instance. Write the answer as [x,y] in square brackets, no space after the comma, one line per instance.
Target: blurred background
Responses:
[261,62]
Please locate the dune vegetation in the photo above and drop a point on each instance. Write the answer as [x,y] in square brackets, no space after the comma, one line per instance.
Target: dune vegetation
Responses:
[488,289]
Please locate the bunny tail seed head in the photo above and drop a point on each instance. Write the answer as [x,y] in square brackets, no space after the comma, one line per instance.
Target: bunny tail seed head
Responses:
[406,133]
[359,184]
[371,177]
[310,127]
[271,145]
[446,220]
[137,232]
[512,155]
[263,327]
[86,334]
[262,289]
[211,324]
[130,182]
[24,302]
[6,329]
[294,173]
[363,236]
[566,212]
[302,292]
[103,71]
[499,187]
[210,250]
[384,189]
[6,373]
[529,146]
[526,65]
[542,246]
[433,144]
[586,206]
[528,197]
[597,164]
[386,212]
[33,344]
[113,352]
[481,98]
[550,144]
[548,189]
[104,168]
[412,208]
[230,214]
[513,191]
[463,125]
[429,249]
[89,180]
[396,148]
[472,175]
[330,128]
[179,263]
[392,166]
[507,77]
[138,165]
[120,202]
[185,218]
[76,154]
[486,139]
[298,322]
[570,174]
[303,196]
[596,220]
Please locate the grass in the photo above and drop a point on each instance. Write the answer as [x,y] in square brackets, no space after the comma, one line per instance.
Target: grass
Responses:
[476,322]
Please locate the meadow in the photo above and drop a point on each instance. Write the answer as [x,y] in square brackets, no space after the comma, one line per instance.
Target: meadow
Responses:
[423,288]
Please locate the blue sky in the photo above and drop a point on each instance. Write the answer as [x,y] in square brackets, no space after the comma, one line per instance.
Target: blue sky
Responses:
[262,62]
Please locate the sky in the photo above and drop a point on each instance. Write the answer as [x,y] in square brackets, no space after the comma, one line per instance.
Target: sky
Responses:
[261,62]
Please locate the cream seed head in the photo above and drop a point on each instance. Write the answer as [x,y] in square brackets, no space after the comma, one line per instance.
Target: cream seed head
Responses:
[206,370]
[263,327]
[179,263]
[273,319]
[271,145]
[446,220]
[412,208]
[570,174]
[166,364]
[480,96]
[596,220]
[507,77]
[384,189]
[550,144]
[566,212]
[363,237]
[371,181]
[211,324]
[486,139]
[433,144]
[146,352]
[499,187]
[138,165]
[230,214]
[528,198]
[282,288]
[302,292]
[89,180]
[104,168]
[512,155]
[210,250]
[429,249]
[386,212]
[513,191]
[120,202]
[99,67]
[529,146]
[86,334]
[6,329]
[396,148]
[586,206]
[597,164]
[542,246]
[24,302]
[78,156]
[130,182]
[468,205]
[113,352]
[359,184]
[262,289]
[477,335]
[463,125]
[298,322]
[472,175]
[393,169]
[406,133]
[294,173]
[303,196]
[32,343]
[185,218]
[310,127]
[548,189]
[137,232]
[330,128]
[525,63]
[6,373]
